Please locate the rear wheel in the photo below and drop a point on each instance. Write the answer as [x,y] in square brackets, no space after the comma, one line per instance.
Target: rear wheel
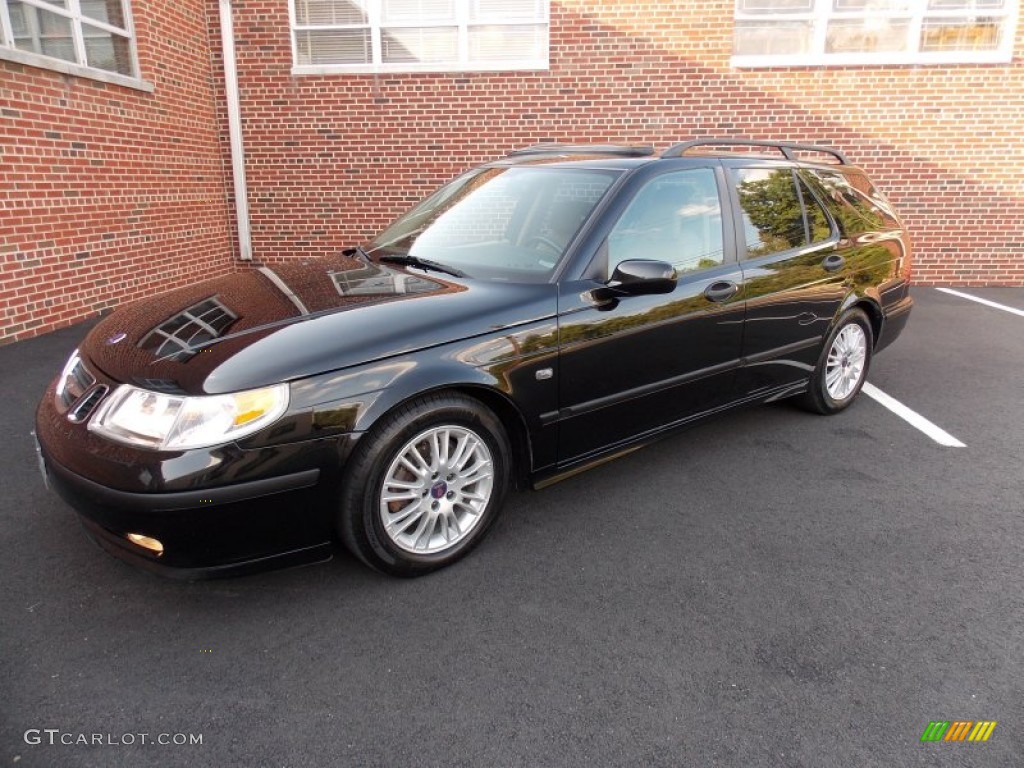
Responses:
[426,484]
[843,366]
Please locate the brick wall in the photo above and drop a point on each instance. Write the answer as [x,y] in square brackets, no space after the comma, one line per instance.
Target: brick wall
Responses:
[332,158]
[110,193]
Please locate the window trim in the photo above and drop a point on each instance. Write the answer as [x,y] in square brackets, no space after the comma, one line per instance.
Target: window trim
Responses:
[804,191]
[822,12]
[375,23]
[74,14]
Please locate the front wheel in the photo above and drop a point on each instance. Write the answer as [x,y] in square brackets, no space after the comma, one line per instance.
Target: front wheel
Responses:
[843,366]
[426,484]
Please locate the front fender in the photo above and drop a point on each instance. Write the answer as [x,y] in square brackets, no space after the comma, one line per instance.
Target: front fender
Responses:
[520,367]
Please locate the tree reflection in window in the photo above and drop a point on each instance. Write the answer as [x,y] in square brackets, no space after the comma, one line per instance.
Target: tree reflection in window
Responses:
[773,219]
[853,201]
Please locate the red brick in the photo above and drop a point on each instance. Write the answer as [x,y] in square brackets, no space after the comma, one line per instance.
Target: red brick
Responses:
[141,182]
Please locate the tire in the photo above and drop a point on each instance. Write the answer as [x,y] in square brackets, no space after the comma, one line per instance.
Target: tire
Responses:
[843,366]
[425,485]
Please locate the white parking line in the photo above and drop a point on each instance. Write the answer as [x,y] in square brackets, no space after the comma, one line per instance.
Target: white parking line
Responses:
[915,419]
[980,300]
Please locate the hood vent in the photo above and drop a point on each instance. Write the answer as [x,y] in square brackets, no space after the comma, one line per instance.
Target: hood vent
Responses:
[181,335]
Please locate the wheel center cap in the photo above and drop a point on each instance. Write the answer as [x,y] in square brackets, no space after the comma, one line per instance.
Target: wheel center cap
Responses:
[439,489]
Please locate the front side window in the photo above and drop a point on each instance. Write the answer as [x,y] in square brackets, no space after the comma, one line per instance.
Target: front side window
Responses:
[418,35]
[510,224]
[822,32]
[91,34]
[675,218]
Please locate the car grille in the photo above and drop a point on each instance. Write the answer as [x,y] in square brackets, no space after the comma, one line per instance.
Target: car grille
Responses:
[87,404]
[80,393]
[76,382]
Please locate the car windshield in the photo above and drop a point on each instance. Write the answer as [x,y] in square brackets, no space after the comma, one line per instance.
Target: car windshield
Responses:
[511,223]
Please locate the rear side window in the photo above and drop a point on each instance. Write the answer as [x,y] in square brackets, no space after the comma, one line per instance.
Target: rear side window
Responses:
[854,203]
[779,212]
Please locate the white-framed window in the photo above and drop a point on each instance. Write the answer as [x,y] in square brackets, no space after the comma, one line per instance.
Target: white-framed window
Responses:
[337,36]
[93,38]
[823,32]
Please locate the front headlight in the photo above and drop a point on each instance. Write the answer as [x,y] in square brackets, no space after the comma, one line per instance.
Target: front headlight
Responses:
[174,423]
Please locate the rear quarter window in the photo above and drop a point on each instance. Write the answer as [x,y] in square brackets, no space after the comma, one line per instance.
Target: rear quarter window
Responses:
[852,200]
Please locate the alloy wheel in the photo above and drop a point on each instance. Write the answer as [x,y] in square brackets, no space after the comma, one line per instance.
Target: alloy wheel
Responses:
[845,365]
[436,489]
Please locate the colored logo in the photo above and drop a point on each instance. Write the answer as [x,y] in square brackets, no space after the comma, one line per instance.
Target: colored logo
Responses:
[958,730]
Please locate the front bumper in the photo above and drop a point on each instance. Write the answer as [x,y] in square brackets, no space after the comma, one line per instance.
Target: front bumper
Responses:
[220,511]
[226,531]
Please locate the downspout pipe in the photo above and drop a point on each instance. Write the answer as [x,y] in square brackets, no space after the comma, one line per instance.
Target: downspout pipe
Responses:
[227,34]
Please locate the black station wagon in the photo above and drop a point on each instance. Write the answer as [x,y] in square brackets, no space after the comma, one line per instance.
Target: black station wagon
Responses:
[533,317]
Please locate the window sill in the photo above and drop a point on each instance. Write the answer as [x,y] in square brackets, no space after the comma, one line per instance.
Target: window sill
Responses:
[69,68]
[871,59]
[408,69]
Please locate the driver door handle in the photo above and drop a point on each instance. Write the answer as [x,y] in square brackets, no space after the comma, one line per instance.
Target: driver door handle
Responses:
[721,290]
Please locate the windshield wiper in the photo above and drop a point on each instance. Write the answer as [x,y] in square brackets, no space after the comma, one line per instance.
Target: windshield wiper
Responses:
[416,261]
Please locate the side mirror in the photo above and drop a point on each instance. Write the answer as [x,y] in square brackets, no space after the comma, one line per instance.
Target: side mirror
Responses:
[639,277]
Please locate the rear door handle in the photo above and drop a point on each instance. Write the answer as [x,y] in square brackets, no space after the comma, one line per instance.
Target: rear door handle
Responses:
[833,262]
[721,290]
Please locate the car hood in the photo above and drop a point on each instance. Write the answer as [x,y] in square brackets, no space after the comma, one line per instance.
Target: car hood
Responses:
[287,321]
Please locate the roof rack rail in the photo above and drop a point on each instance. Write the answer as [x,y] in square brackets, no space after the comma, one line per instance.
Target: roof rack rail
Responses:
[620,150]
[785,147]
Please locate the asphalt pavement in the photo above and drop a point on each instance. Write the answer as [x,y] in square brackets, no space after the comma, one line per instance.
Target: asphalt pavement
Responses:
[770,588]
